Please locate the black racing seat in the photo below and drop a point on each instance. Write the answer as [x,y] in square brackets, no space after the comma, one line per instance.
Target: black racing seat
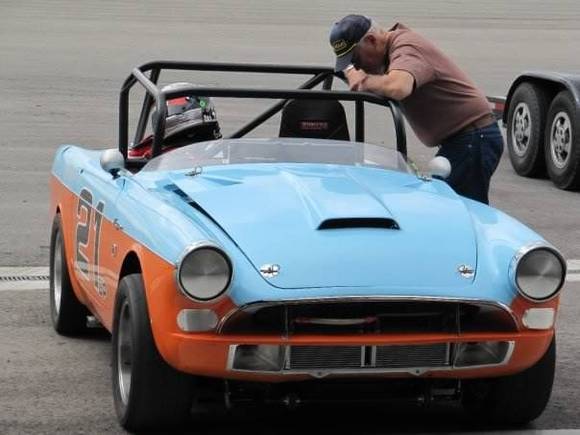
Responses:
[319,119]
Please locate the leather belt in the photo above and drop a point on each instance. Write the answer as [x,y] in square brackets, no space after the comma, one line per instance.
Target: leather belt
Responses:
[485,121]
[482,122]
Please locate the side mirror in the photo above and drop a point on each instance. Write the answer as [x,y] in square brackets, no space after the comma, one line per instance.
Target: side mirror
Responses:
[440,167]
[112,161]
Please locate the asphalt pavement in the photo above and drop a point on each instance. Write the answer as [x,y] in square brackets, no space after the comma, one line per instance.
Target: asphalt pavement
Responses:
[53,384]
[61,67]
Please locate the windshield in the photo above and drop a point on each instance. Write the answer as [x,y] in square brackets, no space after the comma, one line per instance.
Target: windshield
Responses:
[287,150]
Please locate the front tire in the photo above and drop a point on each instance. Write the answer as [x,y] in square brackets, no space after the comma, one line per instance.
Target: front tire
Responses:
[516,399]
[148,393]
[525,130]
[562,142]
[68,314]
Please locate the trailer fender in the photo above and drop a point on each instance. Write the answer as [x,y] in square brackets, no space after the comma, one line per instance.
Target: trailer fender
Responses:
[553,82]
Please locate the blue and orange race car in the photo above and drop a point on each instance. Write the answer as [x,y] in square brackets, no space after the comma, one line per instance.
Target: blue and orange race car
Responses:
[297,268]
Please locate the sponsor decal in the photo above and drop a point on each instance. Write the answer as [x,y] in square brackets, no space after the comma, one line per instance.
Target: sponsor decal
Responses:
[313,125]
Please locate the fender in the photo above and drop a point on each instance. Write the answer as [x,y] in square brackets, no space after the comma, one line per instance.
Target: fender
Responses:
[554,82]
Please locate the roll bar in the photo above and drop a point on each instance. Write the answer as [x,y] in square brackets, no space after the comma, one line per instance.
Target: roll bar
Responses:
[324,75]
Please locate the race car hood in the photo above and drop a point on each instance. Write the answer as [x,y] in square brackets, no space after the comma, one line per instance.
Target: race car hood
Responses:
[334,226]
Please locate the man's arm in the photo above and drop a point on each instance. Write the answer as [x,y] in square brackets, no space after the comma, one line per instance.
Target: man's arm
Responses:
[397,84]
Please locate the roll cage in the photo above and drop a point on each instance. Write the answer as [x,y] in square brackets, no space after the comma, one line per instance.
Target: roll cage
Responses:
[320,76]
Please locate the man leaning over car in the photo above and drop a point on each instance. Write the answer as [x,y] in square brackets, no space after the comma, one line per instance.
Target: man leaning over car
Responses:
[443,106]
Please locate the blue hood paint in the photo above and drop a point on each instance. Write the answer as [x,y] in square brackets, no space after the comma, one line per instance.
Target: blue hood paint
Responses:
[273,211]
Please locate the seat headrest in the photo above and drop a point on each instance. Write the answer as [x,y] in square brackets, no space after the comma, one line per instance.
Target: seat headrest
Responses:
[319,119]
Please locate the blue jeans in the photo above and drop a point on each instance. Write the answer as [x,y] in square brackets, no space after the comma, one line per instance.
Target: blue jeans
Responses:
[474,156]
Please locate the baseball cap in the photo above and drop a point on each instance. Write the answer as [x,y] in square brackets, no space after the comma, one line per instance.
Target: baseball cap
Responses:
[344,36]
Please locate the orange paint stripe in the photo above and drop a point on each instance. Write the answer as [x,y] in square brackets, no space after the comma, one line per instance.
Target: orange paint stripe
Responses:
[163,298]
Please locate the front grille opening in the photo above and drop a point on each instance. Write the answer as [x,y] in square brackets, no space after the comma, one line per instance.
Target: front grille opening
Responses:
[324,360]
[345,318]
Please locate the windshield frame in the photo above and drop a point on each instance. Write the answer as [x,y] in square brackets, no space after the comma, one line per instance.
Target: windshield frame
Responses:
[278,151]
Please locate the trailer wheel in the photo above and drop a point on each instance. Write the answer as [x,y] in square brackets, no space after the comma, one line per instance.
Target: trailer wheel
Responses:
[562,142]
[525,130]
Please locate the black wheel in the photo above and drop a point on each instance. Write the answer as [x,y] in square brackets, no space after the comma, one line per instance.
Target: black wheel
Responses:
[148,393]
[68,314]
[516,399]
[562,142]
[525,130]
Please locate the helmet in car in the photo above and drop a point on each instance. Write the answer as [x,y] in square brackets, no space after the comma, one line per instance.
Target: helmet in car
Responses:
[189,119]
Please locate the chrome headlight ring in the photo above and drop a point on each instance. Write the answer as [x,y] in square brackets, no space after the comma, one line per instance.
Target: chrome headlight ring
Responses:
[538,272]
[204,272]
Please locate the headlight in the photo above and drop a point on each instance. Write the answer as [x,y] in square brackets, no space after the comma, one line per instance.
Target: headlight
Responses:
[204,272]
[539,272]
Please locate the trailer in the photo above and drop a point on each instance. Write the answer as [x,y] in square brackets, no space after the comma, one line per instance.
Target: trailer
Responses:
[541,116]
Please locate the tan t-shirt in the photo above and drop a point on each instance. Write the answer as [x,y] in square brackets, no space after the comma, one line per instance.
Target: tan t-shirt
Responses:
[444,100]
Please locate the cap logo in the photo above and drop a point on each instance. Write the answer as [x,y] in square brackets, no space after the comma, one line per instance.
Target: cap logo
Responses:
[340,47]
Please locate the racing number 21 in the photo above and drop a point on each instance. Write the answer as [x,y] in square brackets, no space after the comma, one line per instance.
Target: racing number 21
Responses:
[89,224]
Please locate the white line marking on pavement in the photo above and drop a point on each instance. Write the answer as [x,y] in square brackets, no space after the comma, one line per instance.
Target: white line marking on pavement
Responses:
[23,271]
[532,432]
[573,274]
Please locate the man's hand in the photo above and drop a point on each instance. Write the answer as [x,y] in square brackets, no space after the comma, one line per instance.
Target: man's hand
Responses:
[356,79]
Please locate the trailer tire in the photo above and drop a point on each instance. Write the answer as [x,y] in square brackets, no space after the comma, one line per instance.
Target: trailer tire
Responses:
[562,142]
[525,129]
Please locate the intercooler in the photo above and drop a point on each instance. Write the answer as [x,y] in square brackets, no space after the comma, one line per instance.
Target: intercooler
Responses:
[379,357]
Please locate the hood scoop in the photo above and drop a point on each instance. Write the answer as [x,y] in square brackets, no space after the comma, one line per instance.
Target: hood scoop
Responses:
[342,223]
